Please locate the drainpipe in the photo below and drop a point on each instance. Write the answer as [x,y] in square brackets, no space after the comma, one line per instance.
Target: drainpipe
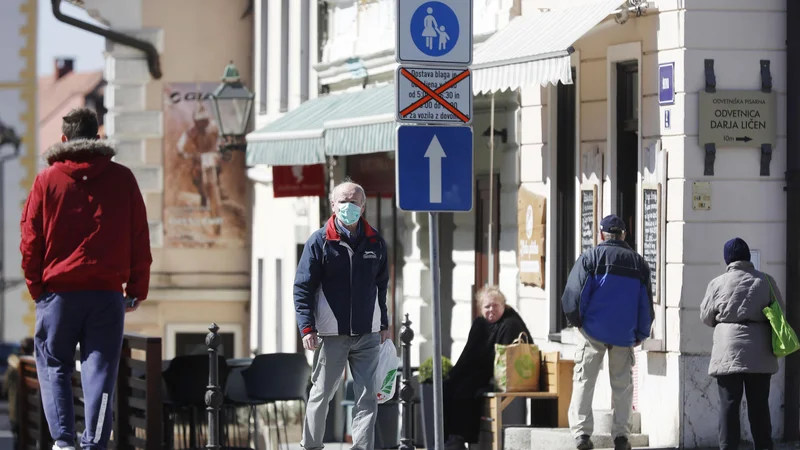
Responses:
[490,253]
[153,61]
[791,411]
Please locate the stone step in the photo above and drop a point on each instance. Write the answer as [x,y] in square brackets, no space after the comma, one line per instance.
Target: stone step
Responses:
[527,438]
[604,421]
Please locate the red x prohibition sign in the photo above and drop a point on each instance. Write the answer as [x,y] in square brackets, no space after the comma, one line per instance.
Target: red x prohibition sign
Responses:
[435,95]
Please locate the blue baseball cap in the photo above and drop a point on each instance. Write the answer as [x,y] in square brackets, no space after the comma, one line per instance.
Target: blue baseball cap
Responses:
[611,223]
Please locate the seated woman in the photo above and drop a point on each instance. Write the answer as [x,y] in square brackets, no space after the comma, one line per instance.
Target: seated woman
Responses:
[472,375]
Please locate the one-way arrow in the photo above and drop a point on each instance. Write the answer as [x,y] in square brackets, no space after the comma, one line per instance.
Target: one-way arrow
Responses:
[435,153]
[744,139]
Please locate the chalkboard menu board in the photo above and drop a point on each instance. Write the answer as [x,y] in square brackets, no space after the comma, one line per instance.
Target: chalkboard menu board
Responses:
[650,234]
[588,233]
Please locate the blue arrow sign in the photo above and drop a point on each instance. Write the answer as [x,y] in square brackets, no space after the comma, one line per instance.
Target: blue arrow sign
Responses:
[434,168]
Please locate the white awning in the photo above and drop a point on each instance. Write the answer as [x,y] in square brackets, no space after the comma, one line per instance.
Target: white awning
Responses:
[534,48]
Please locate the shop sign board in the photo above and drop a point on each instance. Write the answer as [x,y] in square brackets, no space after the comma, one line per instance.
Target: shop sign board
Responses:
[737,118]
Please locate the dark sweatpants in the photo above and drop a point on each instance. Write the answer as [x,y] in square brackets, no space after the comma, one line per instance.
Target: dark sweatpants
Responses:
[731,388]
[95,320]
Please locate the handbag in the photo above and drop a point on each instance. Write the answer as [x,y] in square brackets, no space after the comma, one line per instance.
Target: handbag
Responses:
[784,339]
[517,366]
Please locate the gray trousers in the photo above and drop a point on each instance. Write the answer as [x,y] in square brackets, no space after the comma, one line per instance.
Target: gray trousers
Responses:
[588,359]
[333,352]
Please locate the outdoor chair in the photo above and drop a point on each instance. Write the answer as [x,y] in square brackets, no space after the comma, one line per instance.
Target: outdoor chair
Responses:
[186,381]
[236,398]
[278,377]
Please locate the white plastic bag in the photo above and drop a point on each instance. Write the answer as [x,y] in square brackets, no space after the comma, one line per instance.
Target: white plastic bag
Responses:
[386,375]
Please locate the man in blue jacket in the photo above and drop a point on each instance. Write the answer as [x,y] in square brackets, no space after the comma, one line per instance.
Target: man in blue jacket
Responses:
[340,302]
[608,298]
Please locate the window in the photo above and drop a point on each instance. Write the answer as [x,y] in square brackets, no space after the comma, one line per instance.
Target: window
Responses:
[305,50]
[264,33]
[195,344]
[279,305]
[284,55]
[190,339]
[565,192]
[260,307]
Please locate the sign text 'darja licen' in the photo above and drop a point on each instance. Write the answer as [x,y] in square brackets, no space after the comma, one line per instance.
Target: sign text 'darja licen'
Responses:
[738,119]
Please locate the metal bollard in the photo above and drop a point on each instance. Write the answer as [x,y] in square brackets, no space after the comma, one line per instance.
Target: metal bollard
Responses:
[213,391]
[407,391]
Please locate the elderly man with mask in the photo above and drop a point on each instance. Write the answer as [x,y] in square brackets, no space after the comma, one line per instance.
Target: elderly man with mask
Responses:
[340,302]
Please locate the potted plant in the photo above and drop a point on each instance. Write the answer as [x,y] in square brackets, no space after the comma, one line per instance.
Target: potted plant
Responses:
[425,379]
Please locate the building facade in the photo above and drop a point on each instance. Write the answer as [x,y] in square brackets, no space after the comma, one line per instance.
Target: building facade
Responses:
[625,153]
[198,205]
[62,91]
[596,110]
[18,156]
[346,125]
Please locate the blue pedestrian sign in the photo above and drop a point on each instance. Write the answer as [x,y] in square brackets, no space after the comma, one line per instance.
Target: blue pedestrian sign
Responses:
[434,168]
[434,32]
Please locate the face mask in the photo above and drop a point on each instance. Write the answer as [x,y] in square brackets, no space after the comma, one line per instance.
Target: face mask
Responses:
[348,213]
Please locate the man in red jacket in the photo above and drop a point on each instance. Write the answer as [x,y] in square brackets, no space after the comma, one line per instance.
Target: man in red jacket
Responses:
[84,236]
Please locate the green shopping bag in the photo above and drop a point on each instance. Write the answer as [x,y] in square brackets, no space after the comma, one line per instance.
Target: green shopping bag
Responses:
[516,366]
[784,339]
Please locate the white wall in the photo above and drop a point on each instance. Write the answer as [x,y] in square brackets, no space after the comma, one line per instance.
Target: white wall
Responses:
[279,225]
[677,398]
[506,158]
[595,60]
[271,35]
[744,204]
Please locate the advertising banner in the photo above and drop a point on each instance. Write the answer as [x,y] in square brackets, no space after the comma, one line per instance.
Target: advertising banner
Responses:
[531,225]
[204,195]
[298,181]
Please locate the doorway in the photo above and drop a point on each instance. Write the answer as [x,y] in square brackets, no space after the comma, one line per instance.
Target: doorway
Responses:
[482,256]
[565,191]
[627,166]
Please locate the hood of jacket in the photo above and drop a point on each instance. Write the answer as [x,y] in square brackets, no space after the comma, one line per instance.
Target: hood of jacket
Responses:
[80,158]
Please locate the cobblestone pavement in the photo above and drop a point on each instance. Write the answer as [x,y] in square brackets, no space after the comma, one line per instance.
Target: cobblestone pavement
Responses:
[6,442]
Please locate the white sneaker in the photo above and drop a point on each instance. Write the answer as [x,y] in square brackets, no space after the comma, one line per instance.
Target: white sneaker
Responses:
[56,447]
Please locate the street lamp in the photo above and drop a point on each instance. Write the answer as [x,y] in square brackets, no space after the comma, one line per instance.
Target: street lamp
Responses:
[232,103]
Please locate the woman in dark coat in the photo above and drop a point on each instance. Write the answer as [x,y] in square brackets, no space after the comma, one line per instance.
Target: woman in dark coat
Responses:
[472,375]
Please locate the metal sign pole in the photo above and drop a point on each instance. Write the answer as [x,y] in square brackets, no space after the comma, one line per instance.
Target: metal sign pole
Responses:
[438,410]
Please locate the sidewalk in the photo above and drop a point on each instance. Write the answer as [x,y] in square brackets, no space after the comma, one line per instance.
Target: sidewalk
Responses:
[6,441]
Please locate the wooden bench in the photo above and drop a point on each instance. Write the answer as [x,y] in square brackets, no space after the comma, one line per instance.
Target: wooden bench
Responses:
[555,384]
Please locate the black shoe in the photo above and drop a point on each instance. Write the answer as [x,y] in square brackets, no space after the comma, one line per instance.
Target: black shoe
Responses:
[621,443]
[584,443]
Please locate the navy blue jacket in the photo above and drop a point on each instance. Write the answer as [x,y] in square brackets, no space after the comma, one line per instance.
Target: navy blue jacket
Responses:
[609,296]
[341,290]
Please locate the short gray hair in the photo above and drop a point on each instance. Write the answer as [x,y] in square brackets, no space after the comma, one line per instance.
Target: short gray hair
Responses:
[332,196]
[616,234]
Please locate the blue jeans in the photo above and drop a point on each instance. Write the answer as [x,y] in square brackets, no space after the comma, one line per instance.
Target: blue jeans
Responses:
[95,320]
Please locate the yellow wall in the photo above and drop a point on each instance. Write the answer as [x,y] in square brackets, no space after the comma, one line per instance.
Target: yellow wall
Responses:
[19,307]
[200,37]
